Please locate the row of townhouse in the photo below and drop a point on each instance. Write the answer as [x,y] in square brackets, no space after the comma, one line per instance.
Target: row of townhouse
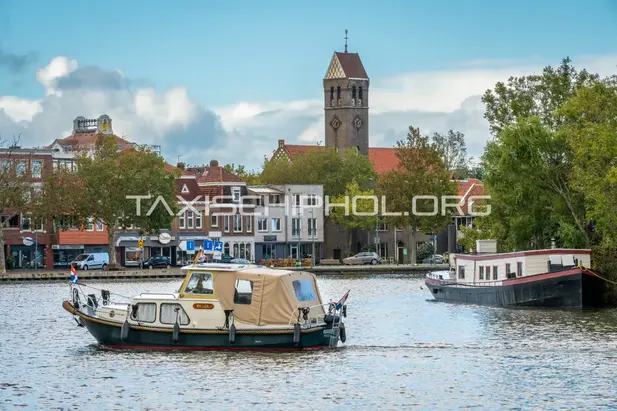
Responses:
[267,225]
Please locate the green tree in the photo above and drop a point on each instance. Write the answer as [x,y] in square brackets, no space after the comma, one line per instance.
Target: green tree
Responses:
[421,172]
[250,177]
[15,189]
[453,151]
[348,216]
[109,183]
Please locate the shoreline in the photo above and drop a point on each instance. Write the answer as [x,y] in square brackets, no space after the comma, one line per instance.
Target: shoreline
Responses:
[365,270]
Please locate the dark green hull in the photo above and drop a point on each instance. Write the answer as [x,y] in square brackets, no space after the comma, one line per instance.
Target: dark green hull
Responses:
[143,337]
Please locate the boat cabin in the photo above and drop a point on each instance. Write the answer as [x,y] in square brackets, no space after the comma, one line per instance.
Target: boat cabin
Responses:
[249,296]
[491,268]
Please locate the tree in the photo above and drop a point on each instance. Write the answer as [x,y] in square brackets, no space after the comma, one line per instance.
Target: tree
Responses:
[453,152]
[15,190]
[322,166]
[421,172]
[537,95]
[348,217]
[251,177]
[133,187]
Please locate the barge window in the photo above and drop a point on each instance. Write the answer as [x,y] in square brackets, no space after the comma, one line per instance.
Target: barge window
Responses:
[244,292]
[461,272]
[304,290]
[144,312]
[495,272]
[488,272]
[200,283]
[168,314]
[519,268]
[481,272]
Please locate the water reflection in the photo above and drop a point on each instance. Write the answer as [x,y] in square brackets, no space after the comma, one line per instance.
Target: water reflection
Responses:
[403,351]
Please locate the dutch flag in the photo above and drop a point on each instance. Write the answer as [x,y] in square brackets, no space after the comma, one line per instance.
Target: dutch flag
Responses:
[342,301]
[73,275]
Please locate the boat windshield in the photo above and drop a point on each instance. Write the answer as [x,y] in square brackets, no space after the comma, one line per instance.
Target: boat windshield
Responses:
[200,283]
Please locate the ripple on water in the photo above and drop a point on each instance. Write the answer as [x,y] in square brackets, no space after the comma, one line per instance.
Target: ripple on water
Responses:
[403,351]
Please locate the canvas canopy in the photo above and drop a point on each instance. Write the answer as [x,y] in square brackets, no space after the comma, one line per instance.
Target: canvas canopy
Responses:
[263,296]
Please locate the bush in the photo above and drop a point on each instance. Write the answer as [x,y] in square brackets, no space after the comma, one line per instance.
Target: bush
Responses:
[425,250]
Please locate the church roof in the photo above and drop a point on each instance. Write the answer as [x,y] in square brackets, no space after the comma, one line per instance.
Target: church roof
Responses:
[346,65]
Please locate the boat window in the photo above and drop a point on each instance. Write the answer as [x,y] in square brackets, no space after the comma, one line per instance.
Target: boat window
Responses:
[169,314]
[304,290]
[519,269]
[481,273]
[144,312]
[487,269]
[200,283]
[461,271]
[495,272]
[244,292]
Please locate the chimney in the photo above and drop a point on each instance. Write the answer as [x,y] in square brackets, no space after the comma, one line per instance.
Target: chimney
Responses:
[181,165]
[281,143]
[214,163]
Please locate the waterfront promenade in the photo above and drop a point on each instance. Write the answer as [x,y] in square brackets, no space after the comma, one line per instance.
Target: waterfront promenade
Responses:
[176,272]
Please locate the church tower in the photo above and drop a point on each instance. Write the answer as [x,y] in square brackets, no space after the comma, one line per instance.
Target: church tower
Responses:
[346,87]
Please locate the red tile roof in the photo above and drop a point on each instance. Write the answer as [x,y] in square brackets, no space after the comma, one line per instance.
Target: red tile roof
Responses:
[467,188]
[87,139]
[352,65]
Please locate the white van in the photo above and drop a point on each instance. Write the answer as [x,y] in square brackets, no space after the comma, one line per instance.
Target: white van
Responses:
[90,261]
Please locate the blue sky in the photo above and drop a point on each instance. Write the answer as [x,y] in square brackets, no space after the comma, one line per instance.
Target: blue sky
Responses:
[278,50]
[203,78]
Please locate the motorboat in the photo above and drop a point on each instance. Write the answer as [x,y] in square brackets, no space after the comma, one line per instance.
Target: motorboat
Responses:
[218,306]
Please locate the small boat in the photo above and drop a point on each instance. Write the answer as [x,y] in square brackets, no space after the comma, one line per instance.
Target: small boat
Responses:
[538,278]
[218,306]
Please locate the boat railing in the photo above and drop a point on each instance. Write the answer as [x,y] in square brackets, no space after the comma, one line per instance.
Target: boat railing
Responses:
[294,313]
[163,294]
[82,298]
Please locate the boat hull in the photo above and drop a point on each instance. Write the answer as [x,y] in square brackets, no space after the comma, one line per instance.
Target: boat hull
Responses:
[109,334]
[575,288]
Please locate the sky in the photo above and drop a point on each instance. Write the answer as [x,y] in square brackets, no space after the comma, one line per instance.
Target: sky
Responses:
[225,80]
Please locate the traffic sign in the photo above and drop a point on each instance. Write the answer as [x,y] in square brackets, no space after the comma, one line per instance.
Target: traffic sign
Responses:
[208,245]
[190,245]
[140,243]
[218,246]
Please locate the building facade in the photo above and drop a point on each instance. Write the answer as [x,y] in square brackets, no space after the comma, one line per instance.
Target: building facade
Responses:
[289,221]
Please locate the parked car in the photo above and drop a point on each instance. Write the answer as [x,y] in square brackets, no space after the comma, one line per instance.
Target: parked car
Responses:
[433,259]
[225,258]
[363,258]
[158,261]
[89,261]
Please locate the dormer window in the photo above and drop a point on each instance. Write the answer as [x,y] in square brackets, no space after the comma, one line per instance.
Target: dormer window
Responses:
[235,192]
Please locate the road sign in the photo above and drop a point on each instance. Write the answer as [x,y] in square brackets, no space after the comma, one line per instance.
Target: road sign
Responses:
[190,245]
[208,245]
[140,243]
[217,255]
[28,241]
[218,246]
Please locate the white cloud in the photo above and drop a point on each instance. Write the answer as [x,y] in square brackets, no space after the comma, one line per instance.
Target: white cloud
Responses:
[244,132]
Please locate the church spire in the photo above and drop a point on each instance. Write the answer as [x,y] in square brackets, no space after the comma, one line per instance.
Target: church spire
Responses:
[345,40]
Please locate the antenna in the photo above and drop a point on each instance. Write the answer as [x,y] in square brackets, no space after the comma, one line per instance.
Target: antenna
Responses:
[179,155]
[345,40]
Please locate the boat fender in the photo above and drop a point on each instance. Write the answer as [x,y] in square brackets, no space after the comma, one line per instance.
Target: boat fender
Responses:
[341,330]
[176,332]
[232,334]
[297,333]
[344,311]
[124,332]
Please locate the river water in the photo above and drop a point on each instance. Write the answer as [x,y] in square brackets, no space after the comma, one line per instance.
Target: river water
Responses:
[403,351]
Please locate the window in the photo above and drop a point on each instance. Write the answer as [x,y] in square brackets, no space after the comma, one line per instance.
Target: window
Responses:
[5,165]
[36,168]
[488,272]
[295,198]
[226,248]
[248,251]
[214,221]
[275,199]
[332,95]
[182,220]
[144,312]
[99,225]
[494,272]
[312,226]
[507,270]
[382,226]
[296,227]
[519,269]
[13,222]
[189,219]
[338,92]
[236,251]
[262,224]
[353,92]
[304,290]
[481,273]
[226,223]
[172,312]
[25,223]
[383,248]
[199,283]
[249,224]
[461,272]
[235,192]
[38,225]
[90,224]
[198,219]
[244,292]
[237,223]
[360,96]
[21,168]
[311,200]
[276,224]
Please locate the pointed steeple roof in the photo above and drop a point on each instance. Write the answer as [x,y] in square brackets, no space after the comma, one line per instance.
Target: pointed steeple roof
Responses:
[346,65]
